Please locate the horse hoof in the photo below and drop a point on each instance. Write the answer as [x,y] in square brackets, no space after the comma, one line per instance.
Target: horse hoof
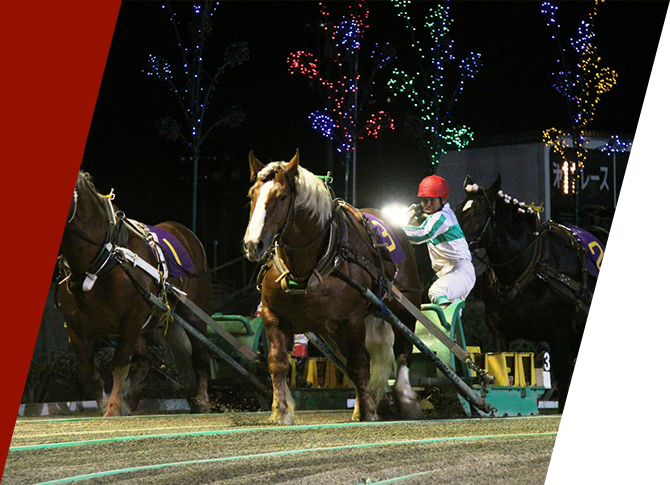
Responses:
[409,409]
[112,412]
[278,419]
[369,418]
[199,406]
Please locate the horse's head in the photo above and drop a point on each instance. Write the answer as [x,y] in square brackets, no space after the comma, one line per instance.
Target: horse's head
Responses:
[476,213]
[272,200]
[82,188]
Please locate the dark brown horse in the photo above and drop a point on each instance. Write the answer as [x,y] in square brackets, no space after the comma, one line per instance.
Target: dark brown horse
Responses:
[539,277]
[311,244]
[104,288]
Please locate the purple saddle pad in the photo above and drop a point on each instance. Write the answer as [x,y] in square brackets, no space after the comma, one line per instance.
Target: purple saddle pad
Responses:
[178,260]
[386,236]
[594,249]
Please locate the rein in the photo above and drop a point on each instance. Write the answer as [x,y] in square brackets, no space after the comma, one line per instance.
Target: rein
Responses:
[487,262]
[558,281]
[473,245]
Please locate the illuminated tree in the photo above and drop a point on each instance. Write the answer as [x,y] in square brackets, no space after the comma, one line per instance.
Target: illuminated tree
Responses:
[582,86]
[192,85]
[337,74]
[432,92]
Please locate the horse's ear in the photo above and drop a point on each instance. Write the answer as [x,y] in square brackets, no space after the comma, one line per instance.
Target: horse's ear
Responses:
[495,188]
[255,165]
[468,181]
[292,167]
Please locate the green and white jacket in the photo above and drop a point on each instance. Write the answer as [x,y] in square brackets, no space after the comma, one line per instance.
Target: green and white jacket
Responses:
[444,237]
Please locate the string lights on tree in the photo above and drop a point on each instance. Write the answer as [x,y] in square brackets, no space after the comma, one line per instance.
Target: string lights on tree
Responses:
[192,85]
[581,80]
[429,91]
[338,77]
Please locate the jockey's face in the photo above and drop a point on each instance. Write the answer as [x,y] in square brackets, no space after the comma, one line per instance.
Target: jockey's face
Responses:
[431,204]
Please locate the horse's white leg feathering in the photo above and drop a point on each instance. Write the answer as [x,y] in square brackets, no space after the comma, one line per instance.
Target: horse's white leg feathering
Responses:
[379,338]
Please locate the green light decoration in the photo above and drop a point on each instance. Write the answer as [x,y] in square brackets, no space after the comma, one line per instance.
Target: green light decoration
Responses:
[428,91]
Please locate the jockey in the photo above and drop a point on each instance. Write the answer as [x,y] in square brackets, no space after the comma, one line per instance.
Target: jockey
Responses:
[449,253]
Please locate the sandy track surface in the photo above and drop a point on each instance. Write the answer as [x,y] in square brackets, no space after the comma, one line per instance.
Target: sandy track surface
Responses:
[322,448]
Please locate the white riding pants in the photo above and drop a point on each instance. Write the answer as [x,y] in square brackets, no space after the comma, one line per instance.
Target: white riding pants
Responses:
[454,285]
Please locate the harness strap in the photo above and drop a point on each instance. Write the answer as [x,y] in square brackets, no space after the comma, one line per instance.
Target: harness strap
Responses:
[370,238]
[125,254]
[560,282]
[116,234]
[326,264]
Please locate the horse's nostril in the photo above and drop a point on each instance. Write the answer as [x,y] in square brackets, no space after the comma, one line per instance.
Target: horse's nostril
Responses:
[260,245]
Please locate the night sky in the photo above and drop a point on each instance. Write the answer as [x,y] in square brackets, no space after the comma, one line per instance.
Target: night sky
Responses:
[512,94]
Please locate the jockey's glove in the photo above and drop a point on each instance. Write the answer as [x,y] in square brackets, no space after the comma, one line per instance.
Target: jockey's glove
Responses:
[415,215]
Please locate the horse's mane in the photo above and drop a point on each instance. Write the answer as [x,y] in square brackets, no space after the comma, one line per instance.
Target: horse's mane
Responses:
[311,193]
[85,180]
[521,207]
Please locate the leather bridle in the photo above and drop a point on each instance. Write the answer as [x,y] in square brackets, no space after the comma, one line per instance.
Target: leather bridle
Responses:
[489,221]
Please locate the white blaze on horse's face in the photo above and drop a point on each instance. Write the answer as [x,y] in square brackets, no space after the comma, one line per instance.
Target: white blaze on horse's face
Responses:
[254,243]
[467,205]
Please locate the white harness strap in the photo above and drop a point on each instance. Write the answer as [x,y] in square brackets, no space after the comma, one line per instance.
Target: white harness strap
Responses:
[152,239]
[160,273]
[135,260]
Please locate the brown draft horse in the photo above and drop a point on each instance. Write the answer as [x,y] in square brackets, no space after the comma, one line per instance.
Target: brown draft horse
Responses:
[307,238]
[101,295]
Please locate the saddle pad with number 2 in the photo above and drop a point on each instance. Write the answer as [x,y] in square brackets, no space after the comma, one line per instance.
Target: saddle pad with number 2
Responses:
[386,236]
[594,249]
[178,260]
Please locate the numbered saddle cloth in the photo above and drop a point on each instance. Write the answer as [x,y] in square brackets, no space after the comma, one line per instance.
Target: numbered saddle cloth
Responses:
[386,236]
[178,260]
[594,249]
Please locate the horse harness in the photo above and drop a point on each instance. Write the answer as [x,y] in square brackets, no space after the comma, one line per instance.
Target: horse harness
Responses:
[345,220]
[114,252]
[574,290]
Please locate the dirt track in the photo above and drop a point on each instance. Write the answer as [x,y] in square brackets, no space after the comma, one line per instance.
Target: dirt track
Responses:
[237,448]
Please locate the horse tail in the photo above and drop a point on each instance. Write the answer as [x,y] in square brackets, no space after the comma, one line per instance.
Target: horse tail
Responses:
[379,339]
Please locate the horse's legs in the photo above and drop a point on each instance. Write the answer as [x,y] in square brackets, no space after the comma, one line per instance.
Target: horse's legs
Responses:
[562,366]
[120,365]
[405,398]
[140,366]
[358,369]
[379,339]
[494,324]
[83,350]
[116,405]
[200,359]
[282,402]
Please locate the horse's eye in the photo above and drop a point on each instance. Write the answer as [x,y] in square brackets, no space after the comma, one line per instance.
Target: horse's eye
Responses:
[282,198]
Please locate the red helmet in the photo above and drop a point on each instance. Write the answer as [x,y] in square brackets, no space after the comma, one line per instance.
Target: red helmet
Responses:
[434,186]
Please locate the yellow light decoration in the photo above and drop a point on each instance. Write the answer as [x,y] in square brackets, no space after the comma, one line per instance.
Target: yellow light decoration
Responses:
[582,92]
